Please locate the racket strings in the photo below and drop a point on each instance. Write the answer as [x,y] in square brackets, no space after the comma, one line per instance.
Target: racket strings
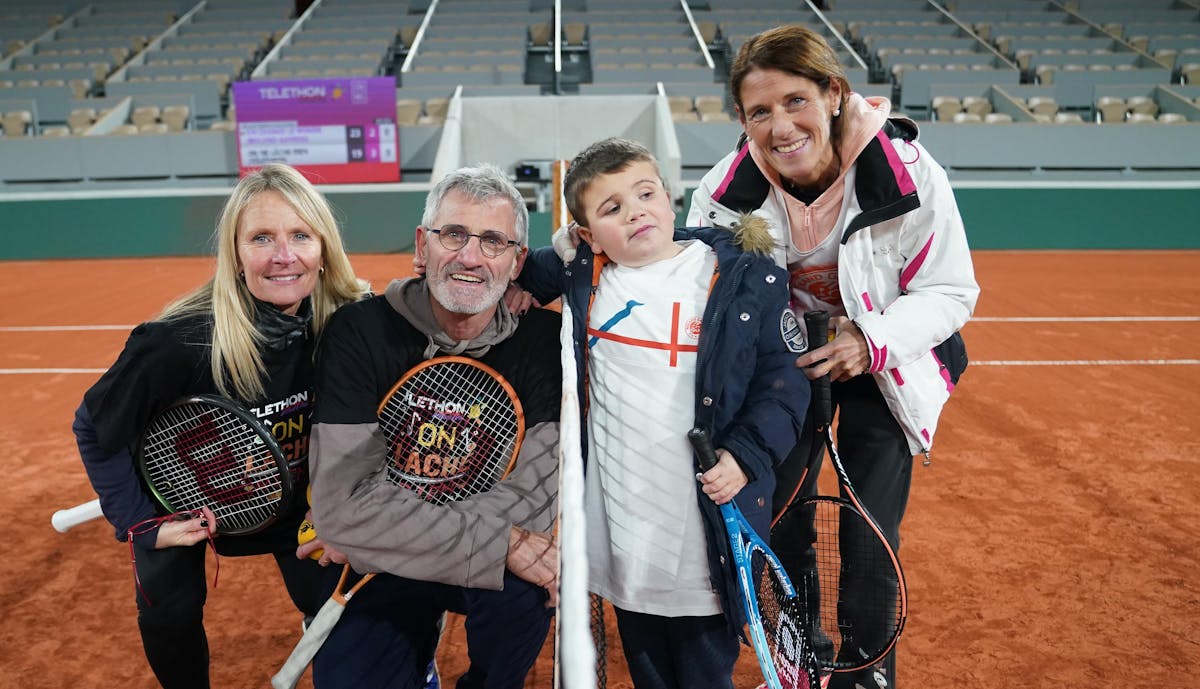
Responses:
[849,580]
[786,626]
[197,455]
[451,430]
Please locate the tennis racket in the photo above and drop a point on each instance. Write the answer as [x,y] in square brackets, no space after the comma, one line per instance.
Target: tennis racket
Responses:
[774,613]
[207,451]
[453,427]
[850,575]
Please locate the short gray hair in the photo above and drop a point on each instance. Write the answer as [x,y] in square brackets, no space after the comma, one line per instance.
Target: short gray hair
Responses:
[480,183]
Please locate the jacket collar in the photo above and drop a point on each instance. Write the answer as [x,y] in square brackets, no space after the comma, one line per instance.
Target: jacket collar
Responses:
[881,184]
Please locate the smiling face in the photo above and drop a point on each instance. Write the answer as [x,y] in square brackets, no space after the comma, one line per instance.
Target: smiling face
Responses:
[278,253]
[466,282]
[629,216]
[789,120]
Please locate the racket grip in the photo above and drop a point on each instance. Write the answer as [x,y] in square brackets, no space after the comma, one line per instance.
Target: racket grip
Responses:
[816,325]
[703,446]
[306,649]
[67,519]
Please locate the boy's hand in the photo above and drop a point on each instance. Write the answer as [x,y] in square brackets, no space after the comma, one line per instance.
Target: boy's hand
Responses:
[722,482]
[564,240]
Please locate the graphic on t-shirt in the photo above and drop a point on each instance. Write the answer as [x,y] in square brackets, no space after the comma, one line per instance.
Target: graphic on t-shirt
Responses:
[675,347]
[819,281]
[616,318]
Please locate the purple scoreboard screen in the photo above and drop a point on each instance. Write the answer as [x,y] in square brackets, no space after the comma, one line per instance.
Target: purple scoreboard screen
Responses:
[334,130]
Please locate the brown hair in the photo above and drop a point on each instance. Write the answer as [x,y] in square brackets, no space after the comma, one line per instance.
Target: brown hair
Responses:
[793,49]
[601,158]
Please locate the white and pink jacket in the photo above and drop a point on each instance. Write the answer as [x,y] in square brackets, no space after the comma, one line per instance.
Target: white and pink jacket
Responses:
[904,268]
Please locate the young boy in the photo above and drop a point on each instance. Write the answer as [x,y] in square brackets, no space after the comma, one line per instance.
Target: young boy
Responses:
[673,329]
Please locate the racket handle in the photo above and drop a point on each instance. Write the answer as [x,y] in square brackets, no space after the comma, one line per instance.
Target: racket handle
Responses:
[65,520]
[306,649]
[816,325]
[703,446]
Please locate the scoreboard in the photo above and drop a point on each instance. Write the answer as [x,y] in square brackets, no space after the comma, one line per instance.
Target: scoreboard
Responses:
[333,130]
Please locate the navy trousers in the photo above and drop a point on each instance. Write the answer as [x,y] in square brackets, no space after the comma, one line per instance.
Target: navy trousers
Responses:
[171,621]
[678,652]
[389,632]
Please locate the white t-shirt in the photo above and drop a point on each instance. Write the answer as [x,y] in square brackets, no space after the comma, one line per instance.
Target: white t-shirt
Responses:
[645,535]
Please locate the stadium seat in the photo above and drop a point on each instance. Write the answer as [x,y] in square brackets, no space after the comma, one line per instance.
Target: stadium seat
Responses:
[1141,118]
[408,111]
[1190,73]
[575,33]
[80,119]
[1067,118]
[145,114]
[1142,104]
[709,104]
[56,130]
[540,34]
[1111,108]
[124,130]
[967,118]
[1042,104]
[997,118]
[17,122]
[176,117]
[1172,118]
[153,128]
[946,107]
[977,105]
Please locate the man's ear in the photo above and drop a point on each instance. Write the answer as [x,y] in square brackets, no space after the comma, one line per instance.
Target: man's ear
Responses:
[519,263]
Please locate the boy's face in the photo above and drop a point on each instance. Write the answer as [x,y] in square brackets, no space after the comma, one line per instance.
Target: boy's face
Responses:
[629,216]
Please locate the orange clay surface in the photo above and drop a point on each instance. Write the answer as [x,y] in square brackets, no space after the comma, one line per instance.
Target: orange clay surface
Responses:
[1052,543]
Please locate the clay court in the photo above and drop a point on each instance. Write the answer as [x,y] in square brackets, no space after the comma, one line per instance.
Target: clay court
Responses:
[1051,543]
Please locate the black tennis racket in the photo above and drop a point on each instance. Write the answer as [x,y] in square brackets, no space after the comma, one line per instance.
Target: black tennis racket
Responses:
[207,451]
[847,570]
[453,427]
[776,616]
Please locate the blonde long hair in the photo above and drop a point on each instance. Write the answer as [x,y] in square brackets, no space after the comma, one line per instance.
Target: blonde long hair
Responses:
[237,365]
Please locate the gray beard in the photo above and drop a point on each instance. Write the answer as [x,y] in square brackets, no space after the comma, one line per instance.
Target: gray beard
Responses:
[443,292]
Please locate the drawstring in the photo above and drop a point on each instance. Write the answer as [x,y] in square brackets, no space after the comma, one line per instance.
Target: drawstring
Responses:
[147,525]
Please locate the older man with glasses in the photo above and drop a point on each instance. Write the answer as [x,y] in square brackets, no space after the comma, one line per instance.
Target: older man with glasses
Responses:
[490,558]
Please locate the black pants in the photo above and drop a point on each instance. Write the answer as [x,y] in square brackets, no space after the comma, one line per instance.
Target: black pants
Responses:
[875,452]
[389,631]
[171,621]
[678,652]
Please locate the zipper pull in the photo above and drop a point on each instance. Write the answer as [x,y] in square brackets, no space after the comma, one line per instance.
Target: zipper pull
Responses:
[928,460]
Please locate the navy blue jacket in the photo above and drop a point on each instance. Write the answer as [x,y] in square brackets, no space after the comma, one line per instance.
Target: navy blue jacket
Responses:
[750,396]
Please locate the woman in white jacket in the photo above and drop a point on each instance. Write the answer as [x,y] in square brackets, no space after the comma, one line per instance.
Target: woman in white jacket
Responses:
[867,225]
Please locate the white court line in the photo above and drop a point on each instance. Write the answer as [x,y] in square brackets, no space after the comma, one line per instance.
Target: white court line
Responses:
[1084,319]
[1088,362]
[60,328]
[24,371]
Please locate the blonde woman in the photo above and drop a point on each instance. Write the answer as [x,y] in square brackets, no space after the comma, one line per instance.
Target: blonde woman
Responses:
[247,334]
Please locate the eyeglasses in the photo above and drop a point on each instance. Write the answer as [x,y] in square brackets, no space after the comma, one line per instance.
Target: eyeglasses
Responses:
[151,524]
[455,237]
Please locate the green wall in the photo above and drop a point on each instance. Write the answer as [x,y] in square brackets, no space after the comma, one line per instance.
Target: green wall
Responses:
[1066,217]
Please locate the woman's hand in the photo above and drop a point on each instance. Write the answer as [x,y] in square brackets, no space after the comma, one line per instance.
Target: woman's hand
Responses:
[186,531]
[722,482]
[843,358]
[518,300]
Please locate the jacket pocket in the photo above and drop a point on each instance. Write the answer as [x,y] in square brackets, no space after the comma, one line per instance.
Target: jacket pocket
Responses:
[953,355]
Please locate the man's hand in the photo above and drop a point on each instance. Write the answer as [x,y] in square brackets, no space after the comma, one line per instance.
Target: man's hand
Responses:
[564,240]
[328,552]
[533,557]
[722,482]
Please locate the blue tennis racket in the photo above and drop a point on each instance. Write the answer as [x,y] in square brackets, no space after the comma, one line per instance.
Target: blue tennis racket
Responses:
[774,613]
